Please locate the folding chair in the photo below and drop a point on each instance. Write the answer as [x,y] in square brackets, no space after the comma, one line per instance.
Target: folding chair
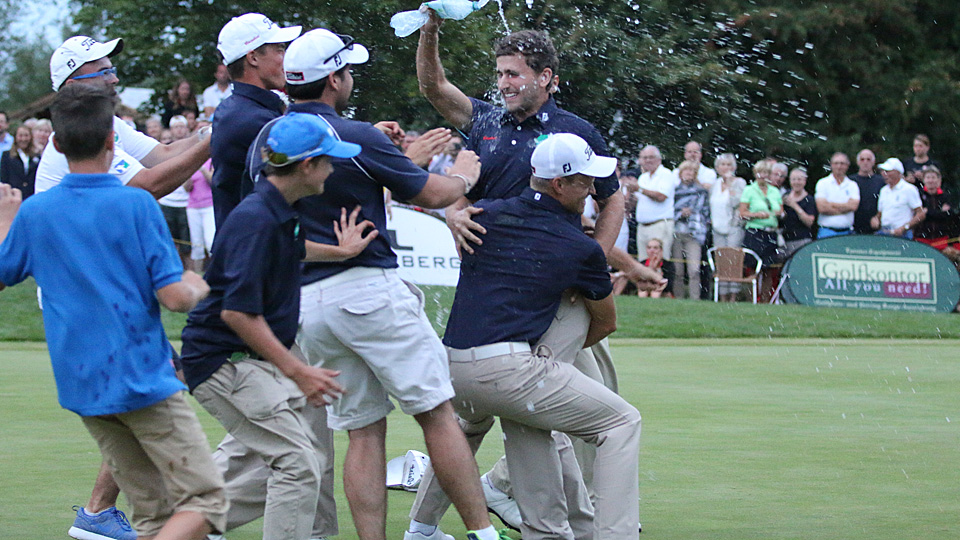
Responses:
[727,265]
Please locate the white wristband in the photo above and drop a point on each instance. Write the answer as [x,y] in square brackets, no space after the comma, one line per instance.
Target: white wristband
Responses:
[466,183]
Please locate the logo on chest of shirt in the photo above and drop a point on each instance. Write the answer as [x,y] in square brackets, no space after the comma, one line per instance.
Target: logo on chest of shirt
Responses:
[489,138]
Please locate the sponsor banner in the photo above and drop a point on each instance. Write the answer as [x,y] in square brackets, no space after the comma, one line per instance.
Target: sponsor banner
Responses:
[878,272]
[424,247]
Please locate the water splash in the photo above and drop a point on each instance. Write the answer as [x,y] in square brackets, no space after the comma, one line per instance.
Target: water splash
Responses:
[503,17]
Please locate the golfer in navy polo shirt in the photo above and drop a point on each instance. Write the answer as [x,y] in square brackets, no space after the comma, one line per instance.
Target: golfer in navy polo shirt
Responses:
[236,346]
[508,293]
[358,317]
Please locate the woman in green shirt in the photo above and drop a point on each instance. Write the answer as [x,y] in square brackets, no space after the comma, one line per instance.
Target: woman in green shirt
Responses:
[760,208]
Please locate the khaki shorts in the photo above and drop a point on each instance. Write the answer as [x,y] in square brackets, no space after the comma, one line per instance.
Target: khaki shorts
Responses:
[370,325]
[161,459]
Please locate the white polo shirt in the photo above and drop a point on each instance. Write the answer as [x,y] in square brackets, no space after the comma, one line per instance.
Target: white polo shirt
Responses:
[829,190]
[130,147]
[649,210]
[896,205]
[705,175]
[213,95]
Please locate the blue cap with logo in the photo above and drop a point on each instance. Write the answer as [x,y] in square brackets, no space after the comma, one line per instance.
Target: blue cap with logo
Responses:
[298,136]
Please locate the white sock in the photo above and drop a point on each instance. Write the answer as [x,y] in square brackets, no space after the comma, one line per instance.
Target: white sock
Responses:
[95,513]
[422,528]
[488,534]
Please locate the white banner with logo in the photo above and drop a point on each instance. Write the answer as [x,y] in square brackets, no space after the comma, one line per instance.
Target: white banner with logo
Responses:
[424,247]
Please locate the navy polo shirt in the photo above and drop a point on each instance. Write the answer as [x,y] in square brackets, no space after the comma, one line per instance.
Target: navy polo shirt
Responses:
[505,146]
[511,287]
[238,120]
[255,268]
[355,181]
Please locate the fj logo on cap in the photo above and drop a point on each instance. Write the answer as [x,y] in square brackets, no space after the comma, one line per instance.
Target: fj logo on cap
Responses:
[71,63]
[567,167]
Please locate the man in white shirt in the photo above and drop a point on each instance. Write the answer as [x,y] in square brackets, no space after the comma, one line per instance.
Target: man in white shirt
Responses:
[837,199]
[6,139]
[899,207]
[654,201]
[216,92]
[693,151]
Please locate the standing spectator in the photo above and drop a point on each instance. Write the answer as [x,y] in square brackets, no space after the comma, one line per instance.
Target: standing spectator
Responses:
[778,176]
[216,92]
[200,215]
[154,128]
[6,140]
[799,212]
[18,166]
[692,151]
[166,137]
[724,214]
[760,206]
[408,138]
[837,199]
[180,98]
[869,183]
[654,200]
[899,209]
[940,222]
[691,218]
[921,156]
[174,205]
[41,134]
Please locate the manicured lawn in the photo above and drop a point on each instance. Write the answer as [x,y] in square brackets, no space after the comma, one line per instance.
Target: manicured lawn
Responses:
[742,438]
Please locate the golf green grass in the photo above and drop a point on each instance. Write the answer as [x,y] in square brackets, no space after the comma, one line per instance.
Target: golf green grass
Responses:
[748,438]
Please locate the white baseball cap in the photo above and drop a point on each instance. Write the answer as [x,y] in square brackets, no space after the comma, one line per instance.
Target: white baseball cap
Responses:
[77,51]
[565,154]
[249,31]
[319,53]
[892,164]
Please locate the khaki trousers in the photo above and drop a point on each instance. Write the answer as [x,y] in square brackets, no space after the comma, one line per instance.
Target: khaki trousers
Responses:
[534,395]
[263,412]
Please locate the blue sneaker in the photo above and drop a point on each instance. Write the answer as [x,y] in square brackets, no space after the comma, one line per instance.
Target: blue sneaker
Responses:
[110,524]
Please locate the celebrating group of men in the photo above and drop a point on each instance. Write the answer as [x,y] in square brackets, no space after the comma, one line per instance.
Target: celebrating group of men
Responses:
[301,323]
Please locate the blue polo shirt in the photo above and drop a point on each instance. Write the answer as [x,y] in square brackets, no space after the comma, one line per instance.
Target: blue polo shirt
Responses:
[255,268]
[100,251]
[356,181]
[511,287]
[238,120]
[505,146]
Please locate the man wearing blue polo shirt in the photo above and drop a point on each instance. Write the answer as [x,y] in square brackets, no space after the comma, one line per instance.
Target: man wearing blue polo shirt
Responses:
[358,317]
[252,48]
[509,291]
[236,346]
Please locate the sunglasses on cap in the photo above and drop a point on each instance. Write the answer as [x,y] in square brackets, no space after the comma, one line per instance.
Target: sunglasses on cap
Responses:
[347,45]
[105,72]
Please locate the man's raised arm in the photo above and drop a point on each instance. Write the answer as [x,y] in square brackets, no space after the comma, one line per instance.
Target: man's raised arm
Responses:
[449,101]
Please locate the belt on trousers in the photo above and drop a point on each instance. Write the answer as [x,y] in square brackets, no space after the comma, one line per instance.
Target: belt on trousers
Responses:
[357,272]
[834,229]
[487,351]
[655,222]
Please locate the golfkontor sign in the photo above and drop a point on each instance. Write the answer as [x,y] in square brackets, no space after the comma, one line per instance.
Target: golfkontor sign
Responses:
[872,272]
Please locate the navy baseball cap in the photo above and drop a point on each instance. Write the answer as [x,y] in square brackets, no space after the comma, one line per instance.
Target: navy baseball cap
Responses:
[298,136]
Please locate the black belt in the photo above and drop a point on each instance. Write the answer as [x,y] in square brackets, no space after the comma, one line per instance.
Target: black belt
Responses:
[834,229]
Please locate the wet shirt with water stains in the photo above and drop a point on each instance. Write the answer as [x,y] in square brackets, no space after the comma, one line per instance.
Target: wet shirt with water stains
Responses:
[511,287]
[255,269]
[100,251]
[505,146]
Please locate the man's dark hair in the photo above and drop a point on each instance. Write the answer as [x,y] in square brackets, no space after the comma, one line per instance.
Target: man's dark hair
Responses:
[82,117]
[535,46]
[312,90]
[237,68]
[4,113]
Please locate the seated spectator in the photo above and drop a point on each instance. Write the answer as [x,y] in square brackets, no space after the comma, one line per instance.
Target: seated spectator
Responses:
[216,92]
[837,199]
[191,117]
[691,221]
[799,212]
[941,221]
[153,127]
[654,261]
[166,137]
[180,98]
[724,214]
[761,206]
[899,209]
[912,166]
[18,166]
[41,134]
[179,128]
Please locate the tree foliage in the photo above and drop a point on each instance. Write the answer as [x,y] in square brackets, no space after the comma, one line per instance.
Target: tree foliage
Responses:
[790,78]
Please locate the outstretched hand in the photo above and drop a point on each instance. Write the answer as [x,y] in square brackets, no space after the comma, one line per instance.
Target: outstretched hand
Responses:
[350,234]
[431,143]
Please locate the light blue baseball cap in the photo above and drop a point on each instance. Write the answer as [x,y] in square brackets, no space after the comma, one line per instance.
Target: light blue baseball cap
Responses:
[298,136]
